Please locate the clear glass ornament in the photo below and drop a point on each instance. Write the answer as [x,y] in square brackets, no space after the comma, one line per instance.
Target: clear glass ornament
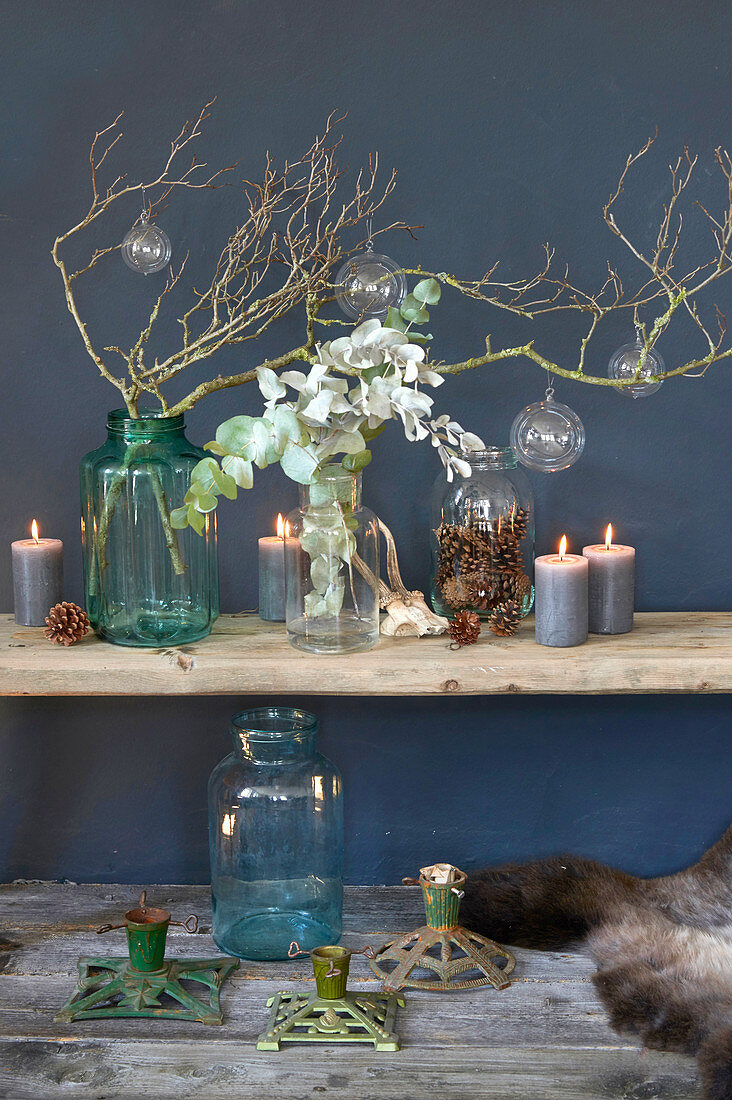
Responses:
[547,436]
[146,248]
[624,364]
[367,285]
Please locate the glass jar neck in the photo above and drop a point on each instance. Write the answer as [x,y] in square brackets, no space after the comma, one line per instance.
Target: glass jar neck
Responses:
[149,426]
[274,735]
[492,458]
[333,485]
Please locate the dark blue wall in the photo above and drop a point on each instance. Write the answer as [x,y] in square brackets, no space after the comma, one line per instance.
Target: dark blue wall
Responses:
[509,123]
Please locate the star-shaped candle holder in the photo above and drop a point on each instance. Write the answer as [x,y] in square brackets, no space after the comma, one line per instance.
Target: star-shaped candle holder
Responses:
[331,1014]
[146,983]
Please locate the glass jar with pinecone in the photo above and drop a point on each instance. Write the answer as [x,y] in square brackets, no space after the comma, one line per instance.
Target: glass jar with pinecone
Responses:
[483,540]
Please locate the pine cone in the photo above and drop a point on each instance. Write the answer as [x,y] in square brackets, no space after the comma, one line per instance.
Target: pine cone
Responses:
[454,592]
[66,623]
[449,542]
[505,552]
[480,589]
[521,587]
[464,628]
[505,619]
[476,548]
[519,522]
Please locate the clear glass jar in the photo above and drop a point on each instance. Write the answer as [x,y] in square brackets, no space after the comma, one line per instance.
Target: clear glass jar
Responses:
[332,567]
[276,838]
[145,583]
[482,537]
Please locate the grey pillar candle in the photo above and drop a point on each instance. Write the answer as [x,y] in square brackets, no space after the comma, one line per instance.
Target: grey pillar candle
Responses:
[272,576]
[611,586]
[38,578]
[560,598]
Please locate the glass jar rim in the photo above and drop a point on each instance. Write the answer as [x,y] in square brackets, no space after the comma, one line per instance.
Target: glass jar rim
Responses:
[274,723]
[502,455]
[335,472]
[147,421]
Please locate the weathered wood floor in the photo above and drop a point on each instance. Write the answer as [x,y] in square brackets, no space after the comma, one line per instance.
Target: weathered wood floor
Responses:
[545,1037]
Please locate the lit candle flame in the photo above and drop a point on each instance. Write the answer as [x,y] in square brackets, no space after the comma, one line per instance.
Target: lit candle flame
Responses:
[280,526]
[609,536]
[562,547]
[34,531]
[287,528]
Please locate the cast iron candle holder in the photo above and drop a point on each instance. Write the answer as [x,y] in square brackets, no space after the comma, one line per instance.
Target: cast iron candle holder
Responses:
[145,983]
[331,1014]
[441,946]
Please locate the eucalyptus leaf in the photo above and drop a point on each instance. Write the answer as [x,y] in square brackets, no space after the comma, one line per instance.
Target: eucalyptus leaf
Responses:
[224,483]
[395,320]
[286,427]
[215,448]
[196,520]
[372,433]
[179,517]
[427,291]
[235,435]
[269,384]
[413,310]
[261,435]
[205,502]
[354,463]
[204,473]
[299,463]
[240,470]
[343,442]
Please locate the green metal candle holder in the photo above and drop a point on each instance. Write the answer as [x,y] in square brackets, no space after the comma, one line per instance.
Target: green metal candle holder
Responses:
[441,949]
[145,983]
[331,1014]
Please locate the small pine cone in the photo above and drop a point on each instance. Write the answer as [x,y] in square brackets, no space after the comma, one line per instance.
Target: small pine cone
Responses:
[520,522]
[505,552]
[505,619]
[454,593]
[464,628]
[449,542]
[522,587]
[66,623]
[481,591]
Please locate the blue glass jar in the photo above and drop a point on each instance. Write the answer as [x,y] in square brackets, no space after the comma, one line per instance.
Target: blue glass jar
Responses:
[276,838]
[145,583]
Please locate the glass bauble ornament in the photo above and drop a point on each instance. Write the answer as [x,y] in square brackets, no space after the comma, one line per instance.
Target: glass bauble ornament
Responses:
[146,248]
[367,285]
[624,364]
[547,435]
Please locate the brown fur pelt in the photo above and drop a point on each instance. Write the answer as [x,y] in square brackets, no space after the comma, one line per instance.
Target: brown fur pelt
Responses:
[663,946]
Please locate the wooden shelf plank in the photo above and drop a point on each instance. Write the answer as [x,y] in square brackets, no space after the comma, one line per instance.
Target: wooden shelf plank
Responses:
[545,1036]
[677,652]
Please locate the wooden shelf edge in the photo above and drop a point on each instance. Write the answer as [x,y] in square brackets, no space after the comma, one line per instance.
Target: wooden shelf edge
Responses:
[666,653]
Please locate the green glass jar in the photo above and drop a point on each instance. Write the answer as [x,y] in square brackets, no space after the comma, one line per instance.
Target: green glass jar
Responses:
[145,583]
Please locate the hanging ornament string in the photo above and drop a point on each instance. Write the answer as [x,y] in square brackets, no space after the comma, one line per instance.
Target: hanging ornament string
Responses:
[549,391]
[547,435]
[369,235]
[146,248]
[369,284]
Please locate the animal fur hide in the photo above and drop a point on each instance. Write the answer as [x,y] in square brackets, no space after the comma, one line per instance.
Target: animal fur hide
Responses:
[663,946]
